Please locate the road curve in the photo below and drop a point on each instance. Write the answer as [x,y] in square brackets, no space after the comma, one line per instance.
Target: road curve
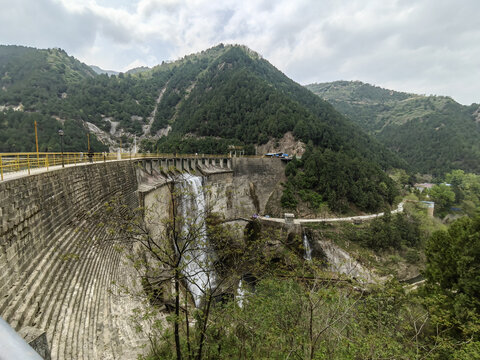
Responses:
[399,209]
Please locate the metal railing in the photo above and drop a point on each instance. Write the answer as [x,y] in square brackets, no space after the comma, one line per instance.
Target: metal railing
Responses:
[27,162]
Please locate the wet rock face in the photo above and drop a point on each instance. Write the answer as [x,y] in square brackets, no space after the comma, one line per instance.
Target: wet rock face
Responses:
[340,261]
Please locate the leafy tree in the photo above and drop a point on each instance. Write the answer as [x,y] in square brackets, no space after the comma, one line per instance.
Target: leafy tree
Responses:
[443,196]
[453,290]
[167,244]
[466,187]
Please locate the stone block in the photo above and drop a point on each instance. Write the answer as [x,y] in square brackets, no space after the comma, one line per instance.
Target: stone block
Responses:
[37,339]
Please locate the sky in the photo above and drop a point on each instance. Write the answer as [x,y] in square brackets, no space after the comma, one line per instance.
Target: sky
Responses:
[427,47]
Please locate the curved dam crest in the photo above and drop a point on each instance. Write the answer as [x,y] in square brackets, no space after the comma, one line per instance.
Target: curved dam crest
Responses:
[54,277]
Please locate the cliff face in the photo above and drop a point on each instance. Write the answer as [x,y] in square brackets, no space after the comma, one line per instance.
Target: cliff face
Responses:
[247,190]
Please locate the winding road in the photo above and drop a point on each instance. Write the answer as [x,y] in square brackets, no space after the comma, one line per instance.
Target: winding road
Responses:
[399,209]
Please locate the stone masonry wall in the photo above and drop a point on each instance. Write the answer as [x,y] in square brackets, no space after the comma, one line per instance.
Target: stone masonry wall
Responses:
[53,276]
[247,189]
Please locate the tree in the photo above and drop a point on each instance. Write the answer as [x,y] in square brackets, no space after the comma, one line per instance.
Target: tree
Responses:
[453,289]
[443,196]
[166,241]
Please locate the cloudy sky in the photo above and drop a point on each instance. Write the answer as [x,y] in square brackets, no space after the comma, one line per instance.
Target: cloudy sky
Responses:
[421,46]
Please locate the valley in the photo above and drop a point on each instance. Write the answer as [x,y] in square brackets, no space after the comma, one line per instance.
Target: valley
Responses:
[168,233]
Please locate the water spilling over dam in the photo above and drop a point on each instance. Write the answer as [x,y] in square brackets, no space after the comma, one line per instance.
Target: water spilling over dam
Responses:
[197,260]
[54,274]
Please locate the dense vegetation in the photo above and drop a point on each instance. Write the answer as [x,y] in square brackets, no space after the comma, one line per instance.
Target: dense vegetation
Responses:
[36,78]
[433,134]
[340,179]
[116,98]
[17,134]
[461,196]
[205,102]
[36,83]
[452,294]
[389,232]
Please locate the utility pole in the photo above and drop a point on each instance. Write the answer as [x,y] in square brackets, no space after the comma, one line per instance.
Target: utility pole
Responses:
[36,142]
[88,140]
[60,132]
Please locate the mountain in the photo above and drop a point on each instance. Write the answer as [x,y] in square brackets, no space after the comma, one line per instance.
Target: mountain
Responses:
[204,102]
[32,81]
[99,70]
[33,76]
[231,92]
[434,134]
[138,70]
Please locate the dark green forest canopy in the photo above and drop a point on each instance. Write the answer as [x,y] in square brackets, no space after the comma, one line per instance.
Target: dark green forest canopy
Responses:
[452,293]
[226,95]
[340,179]
[17,134]
[434,134]
[238,95]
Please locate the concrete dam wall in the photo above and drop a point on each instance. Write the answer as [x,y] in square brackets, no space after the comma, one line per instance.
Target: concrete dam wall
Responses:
[53,275]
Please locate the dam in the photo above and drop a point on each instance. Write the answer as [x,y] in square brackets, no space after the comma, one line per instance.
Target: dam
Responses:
[58,281]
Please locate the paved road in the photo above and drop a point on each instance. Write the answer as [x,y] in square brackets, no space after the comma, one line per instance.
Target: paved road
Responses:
[399,209]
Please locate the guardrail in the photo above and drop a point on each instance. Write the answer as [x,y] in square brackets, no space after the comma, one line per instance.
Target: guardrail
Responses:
[26,162]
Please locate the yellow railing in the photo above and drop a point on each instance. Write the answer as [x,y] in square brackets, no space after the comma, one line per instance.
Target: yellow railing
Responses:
[27,162]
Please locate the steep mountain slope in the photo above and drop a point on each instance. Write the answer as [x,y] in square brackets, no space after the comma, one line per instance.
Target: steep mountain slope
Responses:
[434,134]
[32,81]
[232,93]
[32,76]
[205,102]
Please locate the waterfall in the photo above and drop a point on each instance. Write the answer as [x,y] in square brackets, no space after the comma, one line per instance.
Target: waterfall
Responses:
[196,261]
[240,293]
[308,249]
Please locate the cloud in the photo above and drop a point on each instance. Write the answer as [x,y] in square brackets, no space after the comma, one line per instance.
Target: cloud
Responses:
[421,46]
[44,23]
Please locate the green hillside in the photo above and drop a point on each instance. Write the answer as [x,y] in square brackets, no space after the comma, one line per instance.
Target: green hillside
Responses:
[434,134]
[32,82]
[204,102]
[36,77]
[232,93]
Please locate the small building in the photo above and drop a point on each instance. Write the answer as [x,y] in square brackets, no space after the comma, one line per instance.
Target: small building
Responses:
[430,205]
[423,186]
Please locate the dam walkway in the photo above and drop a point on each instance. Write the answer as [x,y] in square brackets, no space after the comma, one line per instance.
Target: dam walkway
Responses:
[18,165]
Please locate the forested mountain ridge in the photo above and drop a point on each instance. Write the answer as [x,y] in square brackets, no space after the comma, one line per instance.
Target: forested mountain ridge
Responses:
[226,92]
[32,81]
[204,102]
[31,76]
[434,134]
[240,96]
